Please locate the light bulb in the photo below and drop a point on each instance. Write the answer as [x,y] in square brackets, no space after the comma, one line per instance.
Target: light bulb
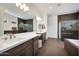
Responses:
[24,5]
[26,8]
[21,6]
[17,4]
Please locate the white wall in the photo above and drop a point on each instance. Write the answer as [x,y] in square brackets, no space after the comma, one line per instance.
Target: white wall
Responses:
[60,30]
[1,20]
[52,23]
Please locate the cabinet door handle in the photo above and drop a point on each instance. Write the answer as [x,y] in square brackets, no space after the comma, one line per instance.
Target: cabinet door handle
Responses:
[4,54]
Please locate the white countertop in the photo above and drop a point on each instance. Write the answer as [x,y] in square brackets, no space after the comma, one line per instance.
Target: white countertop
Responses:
[20,38]
[74,42]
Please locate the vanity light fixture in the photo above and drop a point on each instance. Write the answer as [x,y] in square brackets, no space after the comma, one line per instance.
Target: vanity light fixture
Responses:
[26,8]
[17,4]
[22,6]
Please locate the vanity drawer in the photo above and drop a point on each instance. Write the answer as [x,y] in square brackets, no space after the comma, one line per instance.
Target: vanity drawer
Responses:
[29,51]
[14,51]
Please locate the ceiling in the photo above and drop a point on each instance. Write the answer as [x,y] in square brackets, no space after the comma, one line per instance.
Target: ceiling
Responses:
[57,8]
[11,9]
[44,8]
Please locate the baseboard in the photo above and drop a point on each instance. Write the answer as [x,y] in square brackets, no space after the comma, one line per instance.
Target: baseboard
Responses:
[52,38]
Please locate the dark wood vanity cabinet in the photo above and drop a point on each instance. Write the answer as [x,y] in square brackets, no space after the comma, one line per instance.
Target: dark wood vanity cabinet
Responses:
[35,44]
[43,37]
[29,48]
[22,49]
[78,15]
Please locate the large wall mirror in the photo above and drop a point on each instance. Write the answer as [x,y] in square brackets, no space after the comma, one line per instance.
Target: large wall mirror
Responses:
[14,24]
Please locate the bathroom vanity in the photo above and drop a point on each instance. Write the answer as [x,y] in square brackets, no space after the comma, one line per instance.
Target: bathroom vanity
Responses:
[26,45]
[42,37]
[28,48]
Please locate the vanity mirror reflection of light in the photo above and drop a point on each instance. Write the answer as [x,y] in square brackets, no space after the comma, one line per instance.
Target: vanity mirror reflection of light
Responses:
[41,27]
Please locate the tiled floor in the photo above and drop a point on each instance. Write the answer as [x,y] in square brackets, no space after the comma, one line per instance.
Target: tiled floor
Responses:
[53,47]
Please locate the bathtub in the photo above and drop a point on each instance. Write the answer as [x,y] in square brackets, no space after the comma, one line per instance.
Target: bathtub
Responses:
[72,47]
[73,42]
